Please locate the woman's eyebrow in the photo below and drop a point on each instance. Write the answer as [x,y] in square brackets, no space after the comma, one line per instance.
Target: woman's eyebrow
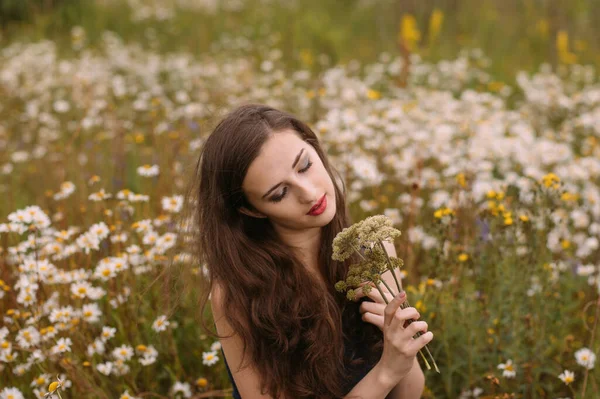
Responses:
[293,166]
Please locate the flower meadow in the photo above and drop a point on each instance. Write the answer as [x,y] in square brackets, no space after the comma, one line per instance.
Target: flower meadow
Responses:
[494,186]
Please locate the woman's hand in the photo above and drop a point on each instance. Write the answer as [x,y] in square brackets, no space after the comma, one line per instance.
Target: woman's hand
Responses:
[399,346]
[373,312]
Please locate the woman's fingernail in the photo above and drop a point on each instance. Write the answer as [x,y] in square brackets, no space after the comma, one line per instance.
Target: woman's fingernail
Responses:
[402,294]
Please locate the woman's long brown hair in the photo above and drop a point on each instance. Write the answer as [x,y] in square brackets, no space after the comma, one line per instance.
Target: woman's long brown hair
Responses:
[294,332]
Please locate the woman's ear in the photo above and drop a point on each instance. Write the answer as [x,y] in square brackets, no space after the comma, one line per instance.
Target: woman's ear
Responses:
[248,212]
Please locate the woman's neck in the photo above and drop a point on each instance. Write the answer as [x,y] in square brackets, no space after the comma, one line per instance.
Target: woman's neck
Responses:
[306,245]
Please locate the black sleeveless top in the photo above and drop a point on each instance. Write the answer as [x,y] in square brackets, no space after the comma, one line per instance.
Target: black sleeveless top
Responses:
[358,372]
[349,385]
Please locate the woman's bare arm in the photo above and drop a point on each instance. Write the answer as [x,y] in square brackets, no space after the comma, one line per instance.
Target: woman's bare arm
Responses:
[247,380]
[375,385]
[411,386]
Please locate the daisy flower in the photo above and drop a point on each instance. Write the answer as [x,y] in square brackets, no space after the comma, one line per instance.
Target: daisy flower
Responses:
[139,198]
[147,360]
[172,204]
[127,395]
[105,271]
[7,356]
[11,393]
[150,238]
[95,347]
[99,196]
[105,368]
[54,386]
[182,388]
[41,380]
[119,237]
[123,352]
[148,170]
[585,358]
[88,241]
[160,324]
[100,229]
[107,333]
[509,369]
[567,377]
[91,312]
[63,345]
[210,358]
[142,226]
[28,337]
[80,289]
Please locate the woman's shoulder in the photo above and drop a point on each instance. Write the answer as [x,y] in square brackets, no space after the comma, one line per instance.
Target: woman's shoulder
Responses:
[243,372]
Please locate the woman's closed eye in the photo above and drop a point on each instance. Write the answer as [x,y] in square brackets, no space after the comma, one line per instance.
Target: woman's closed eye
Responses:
[284,192]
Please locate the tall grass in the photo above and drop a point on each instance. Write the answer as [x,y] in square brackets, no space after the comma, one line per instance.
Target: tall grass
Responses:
[515,34]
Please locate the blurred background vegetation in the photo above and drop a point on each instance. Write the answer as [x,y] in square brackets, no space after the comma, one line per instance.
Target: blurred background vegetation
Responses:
[515,34]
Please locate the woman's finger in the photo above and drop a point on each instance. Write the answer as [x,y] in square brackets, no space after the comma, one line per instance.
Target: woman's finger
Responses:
[413,328]
[392,307]
[401,315]
[418,343]
[376,308]
[374,294]
[373,319]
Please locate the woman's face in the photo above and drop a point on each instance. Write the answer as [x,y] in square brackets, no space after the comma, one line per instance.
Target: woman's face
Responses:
[286,180]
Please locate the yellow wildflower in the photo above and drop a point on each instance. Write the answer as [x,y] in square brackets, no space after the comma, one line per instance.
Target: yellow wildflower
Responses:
[562,47]
[550,180]
[441,212]
[373,94]
[542,27]
[567,197]
[461,180]
[306,57]
[495,86]
[409,33]
[138,138]
[435,24]
[202,382]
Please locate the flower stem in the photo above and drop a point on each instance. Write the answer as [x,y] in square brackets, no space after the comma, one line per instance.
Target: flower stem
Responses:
[390,268]
[358,252]
[388,287]
[405,305]
[424,359]
[381,292]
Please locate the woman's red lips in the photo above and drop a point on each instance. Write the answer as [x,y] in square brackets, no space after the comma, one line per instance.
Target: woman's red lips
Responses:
[319,207]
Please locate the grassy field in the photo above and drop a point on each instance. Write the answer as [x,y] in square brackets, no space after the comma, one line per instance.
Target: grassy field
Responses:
[473,125]
[515,34]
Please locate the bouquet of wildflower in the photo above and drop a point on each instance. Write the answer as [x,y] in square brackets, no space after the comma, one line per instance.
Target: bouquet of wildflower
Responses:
[366,239]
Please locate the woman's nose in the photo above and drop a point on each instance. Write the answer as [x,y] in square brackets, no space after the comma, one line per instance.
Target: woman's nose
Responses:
[308,192]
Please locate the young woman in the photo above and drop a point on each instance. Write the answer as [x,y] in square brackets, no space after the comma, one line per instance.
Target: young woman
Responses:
[269,206]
